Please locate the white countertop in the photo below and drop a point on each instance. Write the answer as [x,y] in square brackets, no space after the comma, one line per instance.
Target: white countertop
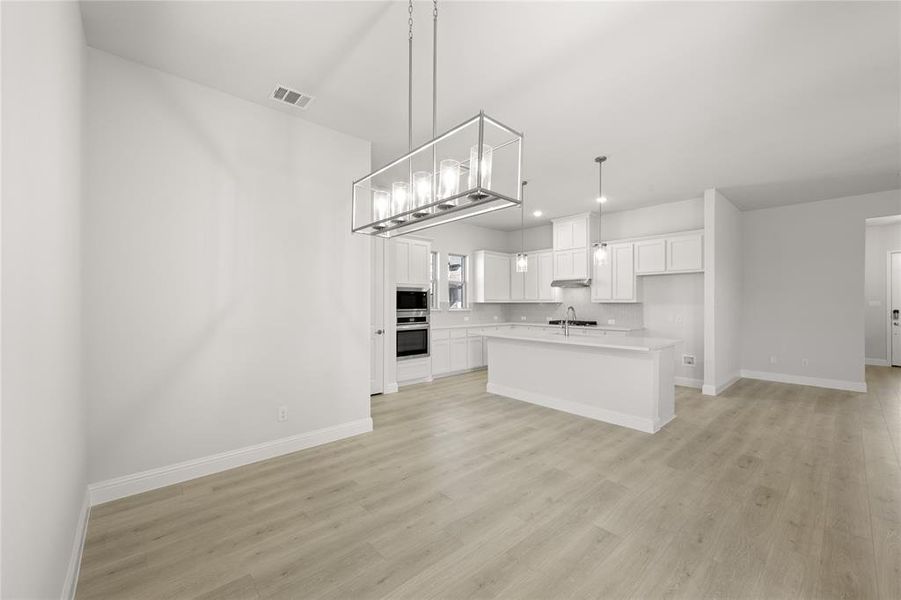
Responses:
[546,325]
[636,343]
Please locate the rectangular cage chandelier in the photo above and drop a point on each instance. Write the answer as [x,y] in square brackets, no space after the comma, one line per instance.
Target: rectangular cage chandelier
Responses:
[472,169]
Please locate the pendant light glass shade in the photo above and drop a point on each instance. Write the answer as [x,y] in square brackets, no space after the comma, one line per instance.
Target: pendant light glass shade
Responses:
[450,178]
[381,204]
[600,253]
[487,159]
[522,262]
[400,200]
[422,192]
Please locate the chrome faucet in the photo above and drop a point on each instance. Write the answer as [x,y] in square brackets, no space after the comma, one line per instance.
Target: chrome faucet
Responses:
[566,319]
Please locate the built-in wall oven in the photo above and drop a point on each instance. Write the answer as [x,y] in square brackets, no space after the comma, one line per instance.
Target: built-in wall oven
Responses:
[413,339]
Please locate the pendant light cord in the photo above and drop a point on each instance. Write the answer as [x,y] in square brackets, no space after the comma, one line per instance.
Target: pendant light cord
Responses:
[600,160]
[522,217]
[410,77]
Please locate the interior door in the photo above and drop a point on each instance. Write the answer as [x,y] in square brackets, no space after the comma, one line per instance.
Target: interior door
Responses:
[377,318]
[895,308]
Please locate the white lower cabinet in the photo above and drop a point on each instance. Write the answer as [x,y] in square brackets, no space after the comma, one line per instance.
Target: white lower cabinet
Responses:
[458,349]
[474,352]
[440,351]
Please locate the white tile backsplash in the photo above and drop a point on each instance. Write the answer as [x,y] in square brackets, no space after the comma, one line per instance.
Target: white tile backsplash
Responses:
[625,315]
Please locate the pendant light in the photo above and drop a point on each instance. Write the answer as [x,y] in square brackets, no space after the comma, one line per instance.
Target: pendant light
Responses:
[477,158]
[600,247]
[522,259]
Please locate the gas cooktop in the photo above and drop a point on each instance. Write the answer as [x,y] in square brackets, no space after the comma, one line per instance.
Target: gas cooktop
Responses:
[576,323]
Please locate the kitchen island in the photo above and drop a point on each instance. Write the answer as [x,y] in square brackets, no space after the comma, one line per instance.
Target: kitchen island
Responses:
[622,380]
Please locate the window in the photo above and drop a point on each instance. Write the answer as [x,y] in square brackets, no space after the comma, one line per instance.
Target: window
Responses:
[456,281]
[433,278]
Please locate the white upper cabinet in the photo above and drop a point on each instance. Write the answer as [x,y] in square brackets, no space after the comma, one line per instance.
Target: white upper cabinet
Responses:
[615,281]
[571,247]
[491,276]
[685,253]
[545,263]
[650,256]
[679,253]
[411,261]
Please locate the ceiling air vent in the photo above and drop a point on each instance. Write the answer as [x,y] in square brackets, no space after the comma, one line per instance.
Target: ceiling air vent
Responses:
[292,97]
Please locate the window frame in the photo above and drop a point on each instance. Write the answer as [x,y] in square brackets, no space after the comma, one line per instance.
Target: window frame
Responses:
[464,282]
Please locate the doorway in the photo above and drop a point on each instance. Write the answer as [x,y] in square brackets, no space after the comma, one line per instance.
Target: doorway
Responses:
[377,317]
[894,304]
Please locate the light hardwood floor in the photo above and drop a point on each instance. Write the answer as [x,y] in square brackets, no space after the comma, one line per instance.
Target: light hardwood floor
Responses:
[770,491]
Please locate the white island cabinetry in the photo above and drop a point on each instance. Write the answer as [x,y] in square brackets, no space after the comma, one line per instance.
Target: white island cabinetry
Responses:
[625,380]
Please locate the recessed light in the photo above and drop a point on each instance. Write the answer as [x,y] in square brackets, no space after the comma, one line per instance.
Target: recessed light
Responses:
[601,199]
[537,213]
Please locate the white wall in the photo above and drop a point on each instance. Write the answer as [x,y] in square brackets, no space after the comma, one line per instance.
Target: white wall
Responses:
[722,292]
[804,286]
[43,410]
[221,278]
[880,240]
[684,215]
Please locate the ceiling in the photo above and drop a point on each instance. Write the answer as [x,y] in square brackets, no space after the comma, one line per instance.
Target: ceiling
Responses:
[771,102]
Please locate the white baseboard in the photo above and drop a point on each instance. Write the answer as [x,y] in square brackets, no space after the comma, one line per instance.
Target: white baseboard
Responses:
[688,382]
[833,384]
[81,531]
[390,388]
[877,362]
[716,390]
[576,408]
[128,485]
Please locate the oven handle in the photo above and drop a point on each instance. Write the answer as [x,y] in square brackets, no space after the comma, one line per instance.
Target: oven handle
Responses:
[412,327]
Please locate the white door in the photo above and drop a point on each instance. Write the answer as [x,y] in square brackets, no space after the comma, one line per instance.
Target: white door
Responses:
[377,318]
[895,314]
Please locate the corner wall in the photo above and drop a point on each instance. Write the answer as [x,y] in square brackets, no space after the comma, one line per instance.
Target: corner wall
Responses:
[723,297]
[43,409]
[804,292]
[221,281]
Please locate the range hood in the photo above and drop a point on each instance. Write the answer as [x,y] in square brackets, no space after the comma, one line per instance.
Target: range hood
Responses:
[571,283]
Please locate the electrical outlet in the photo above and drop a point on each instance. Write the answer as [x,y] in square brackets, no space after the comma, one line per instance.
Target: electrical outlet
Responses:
[611,321]
[805,362]
[772,360]
[465,319]
[495,317]
[522,318]
[282,414]
[688,360]
[679,320]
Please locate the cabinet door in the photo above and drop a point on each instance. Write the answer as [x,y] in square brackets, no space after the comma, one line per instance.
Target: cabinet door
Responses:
[602,282]
[458,354]
[685,253]
[419,262]
[531,286]
[545,264]
[563,235]
[440,356]
[517,282]
[580,263]
[563,264]
[650,257]
[497,278]
[401,261]
[623,272]
[580,233]
[474,352]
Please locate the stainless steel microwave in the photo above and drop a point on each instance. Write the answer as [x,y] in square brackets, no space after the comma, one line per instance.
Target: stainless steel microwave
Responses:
[412,299]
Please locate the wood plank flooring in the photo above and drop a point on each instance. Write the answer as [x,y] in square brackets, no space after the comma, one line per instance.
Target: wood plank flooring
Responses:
[769,491]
